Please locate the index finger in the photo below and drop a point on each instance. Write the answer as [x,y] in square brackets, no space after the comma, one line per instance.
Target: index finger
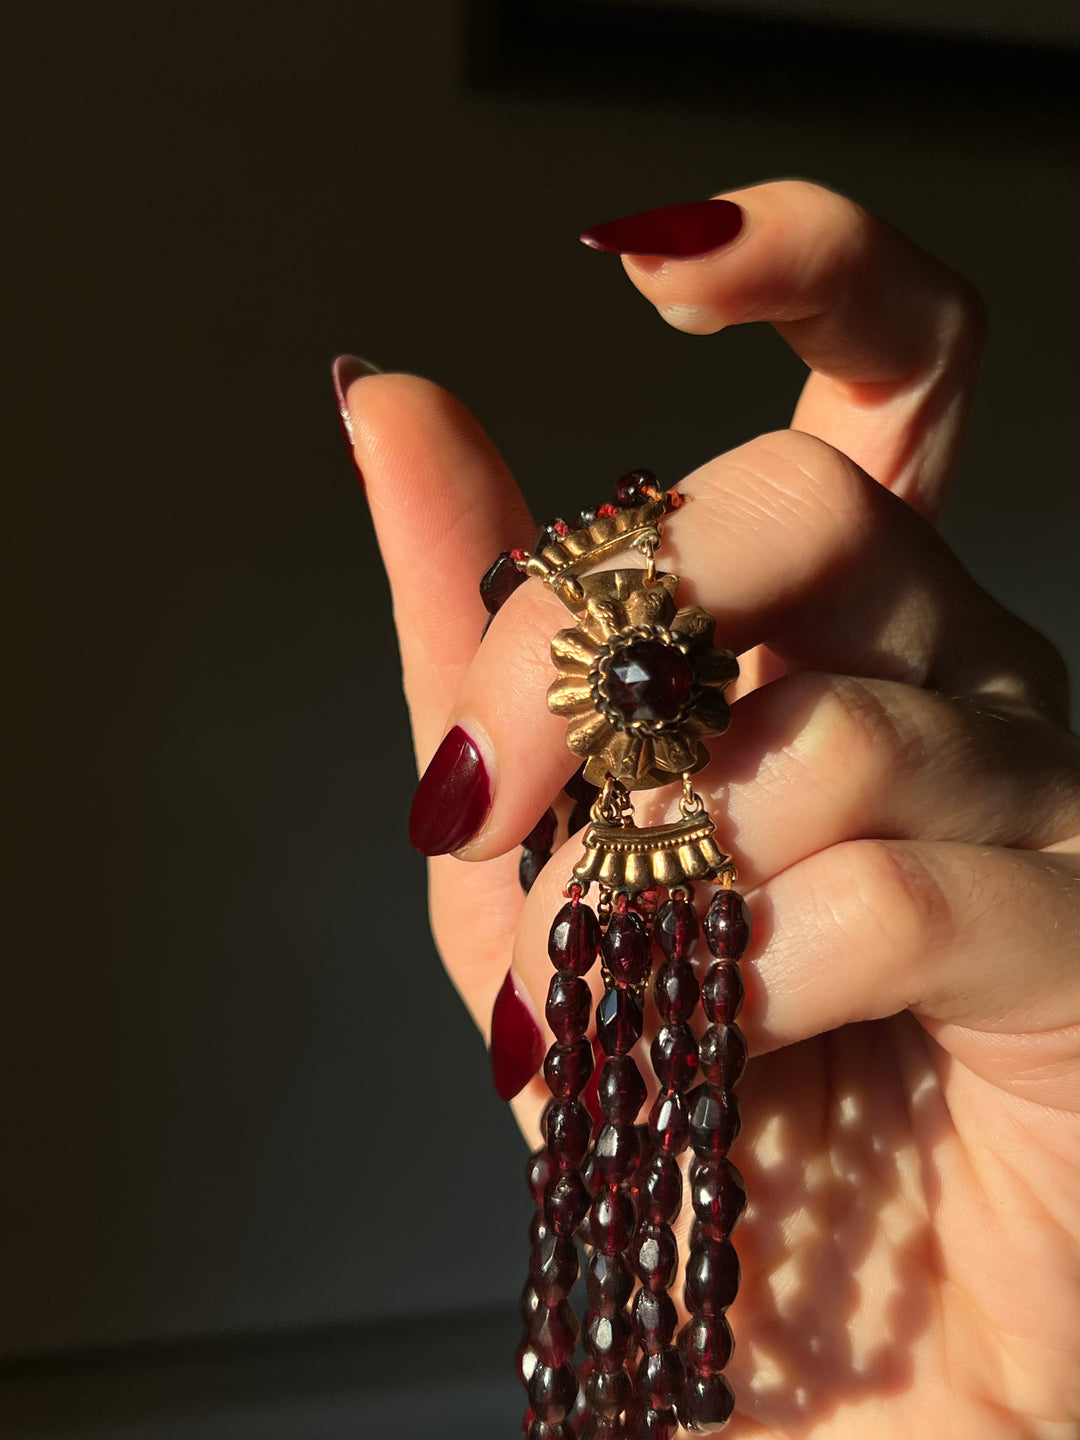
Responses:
[892,337]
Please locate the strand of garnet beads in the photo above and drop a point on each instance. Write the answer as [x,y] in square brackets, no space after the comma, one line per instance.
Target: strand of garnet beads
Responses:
[546,1356]
[716,1187]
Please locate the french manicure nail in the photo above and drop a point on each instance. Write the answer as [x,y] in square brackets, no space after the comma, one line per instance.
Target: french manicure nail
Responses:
[674,232]
[452,799]
[344,370]
[517,1047]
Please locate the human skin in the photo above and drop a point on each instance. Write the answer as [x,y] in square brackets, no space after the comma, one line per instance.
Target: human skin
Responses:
[902,797]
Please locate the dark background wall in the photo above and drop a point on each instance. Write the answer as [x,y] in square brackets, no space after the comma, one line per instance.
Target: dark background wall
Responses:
[225,1209]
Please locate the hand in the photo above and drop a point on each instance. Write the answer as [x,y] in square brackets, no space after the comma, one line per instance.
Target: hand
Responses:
[902,802]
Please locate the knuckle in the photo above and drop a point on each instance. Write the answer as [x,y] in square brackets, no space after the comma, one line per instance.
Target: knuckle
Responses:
[854,739]
[806,480]
[900,906]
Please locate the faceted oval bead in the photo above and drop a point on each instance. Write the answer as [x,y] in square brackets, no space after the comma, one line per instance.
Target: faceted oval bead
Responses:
[538,1430]
[529,1303]
[566,1202]
[529,867]
[626,948]
[574,941]
[661,1190]
[676,928]
[552,1392]
[669,1122]
[632,489]
[607,1336]
[656,1425]
[609,1391]
[609,1282]
[728,925]
[542,836]
[722,1055]
[722,992]
[674,1055]
[712,1276]
[676,990]
[616,1154]
[612,1220]
[539,1168]
[655,1256]
[619,1021]
[580,790]
[621,1090]
[538,1226]
[707,1404]
[500,582]
[527,1361]
[655,1320]
[554,1332]
[661,1377]
[569,1005]
[706,1344]
[719,1196]
[568,1066]
[714,1121]
[567,1128]
[553,1268]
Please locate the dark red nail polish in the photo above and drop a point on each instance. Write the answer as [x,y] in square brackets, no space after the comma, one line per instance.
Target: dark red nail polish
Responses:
[674,232]
[452,799]
[517,1047]
[344,370]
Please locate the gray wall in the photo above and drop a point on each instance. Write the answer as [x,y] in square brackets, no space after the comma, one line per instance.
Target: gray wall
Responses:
[216,963]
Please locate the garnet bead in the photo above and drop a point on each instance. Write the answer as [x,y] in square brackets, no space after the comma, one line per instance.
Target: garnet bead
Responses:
[676,928]
[728,925]
[621,1090]
[661,1377]
[553,1268]
[566,1202]
[612,1220]
[619,1020]
[616,1153]
[655,1319]
[567,1128]
[574,941]
[500,582]
[654,1256]
[552,1392]
[538,1430]
[529,867]
[661,1190]
[723,1055]
[608,1282]
[632,489]
[579,789]
[539,1168]
[568,1066]
[669,1123]
[569,1004]
[656,1425]
[719,1196]
[722,993]
[707,1343]
[712,1276]
[676,990]
[675,1056]
[626,948]
[554,1332]
[606,1337]
[609,1391]
[708,1403]
[542,836]
[648,680]
[714,1121]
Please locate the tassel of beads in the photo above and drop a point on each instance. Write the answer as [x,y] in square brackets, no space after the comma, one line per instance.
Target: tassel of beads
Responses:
[555,1175]
[621,1091]
[716,1187]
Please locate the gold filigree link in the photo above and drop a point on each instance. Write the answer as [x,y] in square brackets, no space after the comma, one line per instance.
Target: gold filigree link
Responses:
[690,802]
[612,806]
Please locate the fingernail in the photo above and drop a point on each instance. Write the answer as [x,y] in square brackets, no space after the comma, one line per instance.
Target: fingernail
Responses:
[452,799]
[517,1046]
[675,232]
[344,370]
